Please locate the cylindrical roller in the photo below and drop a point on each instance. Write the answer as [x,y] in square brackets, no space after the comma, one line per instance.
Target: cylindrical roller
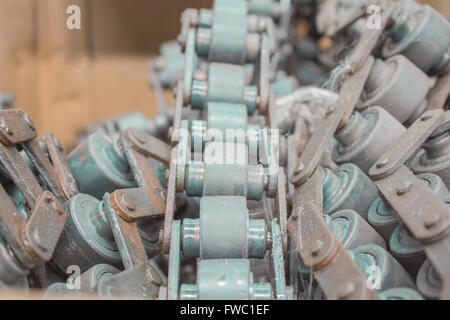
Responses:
[352,230]
[87,238]
[12,273]
[398,86]
[435,157]
[408,251]
[422,35]
[428,281]
[225,279]
[364,139]
[348,188]
[384,219]
[99,166]
[224,230]
[400,294]
[383,272]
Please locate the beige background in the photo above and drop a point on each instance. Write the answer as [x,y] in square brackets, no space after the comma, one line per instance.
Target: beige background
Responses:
[66,79]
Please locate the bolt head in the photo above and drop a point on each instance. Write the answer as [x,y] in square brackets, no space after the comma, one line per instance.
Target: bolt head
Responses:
[431,221]
[317,248]
[128,202]
[403,188]
[382,163]
[140,136]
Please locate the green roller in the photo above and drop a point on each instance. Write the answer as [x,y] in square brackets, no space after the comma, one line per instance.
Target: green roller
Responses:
[225,279]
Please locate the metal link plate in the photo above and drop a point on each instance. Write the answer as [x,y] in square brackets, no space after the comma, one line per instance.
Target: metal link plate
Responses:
[135,203]
[425,215]
[348,97]
[126,235]
[407,144]
[16,126]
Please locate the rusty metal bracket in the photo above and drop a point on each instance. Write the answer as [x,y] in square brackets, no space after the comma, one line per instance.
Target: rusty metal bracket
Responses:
[44,226]
[350,16]
[407,144]
[368,41]
[143,171]
[348,97]
[33,240]
[20,173]
[337,273]
[44,167]
[135,203]
[425,215]
[149,146]
[61,166]
[316,243]
[16,126]
[125,232]
[295,146]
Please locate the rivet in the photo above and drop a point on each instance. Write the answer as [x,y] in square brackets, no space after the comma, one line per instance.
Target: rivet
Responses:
[317,248]
[128,202]
[140,137]
[382,163]
[431,221]
[404,188]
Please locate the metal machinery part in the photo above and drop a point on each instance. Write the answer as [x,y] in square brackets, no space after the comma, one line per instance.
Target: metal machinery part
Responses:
[211,236]
[398,86]
[208,200]
[229,122]
[363,140]
[420,34]
[352,230]
[435,156]
[384,219]
[347,187]
[89,281]
[99,166]
[407,250]
[87,238]
[236,282]
[391,273]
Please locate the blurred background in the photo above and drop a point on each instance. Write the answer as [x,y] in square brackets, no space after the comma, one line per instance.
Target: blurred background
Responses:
[66,79]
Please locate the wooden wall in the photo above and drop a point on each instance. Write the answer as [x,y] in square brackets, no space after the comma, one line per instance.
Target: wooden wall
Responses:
[66,79]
